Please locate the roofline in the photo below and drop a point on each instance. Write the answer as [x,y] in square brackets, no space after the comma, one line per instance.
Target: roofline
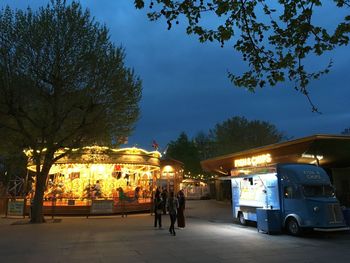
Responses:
[279,145]
[165,159]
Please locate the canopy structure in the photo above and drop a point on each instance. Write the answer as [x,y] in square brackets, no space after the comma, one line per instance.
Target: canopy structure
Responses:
[195,189]
[330,151]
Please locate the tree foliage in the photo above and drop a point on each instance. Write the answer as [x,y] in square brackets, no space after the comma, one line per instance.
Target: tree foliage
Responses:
[275,38]
[238,134]
[204,144]
[346,131]
[185,151]
[12,165]
[233,135]
[63,84]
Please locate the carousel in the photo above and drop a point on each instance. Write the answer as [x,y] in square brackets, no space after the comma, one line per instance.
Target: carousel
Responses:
[101,177]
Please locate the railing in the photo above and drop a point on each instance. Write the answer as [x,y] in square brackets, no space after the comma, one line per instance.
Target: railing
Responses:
[21,207]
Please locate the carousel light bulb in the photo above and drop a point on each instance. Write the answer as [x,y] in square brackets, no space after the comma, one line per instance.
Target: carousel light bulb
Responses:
[101,168]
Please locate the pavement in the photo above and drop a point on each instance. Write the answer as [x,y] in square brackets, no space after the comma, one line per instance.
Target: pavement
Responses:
[209,236]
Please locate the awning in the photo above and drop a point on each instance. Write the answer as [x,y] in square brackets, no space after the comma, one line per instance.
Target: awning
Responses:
[326,150]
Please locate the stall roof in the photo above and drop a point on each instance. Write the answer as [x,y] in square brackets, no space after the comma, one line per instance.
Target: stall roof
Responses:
[171,161]
[332,151]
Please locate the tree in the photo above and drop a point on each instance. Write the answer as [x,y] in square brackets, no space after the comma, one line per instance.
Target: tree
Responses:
[63,85]
[274,37]
[233,135]
[238,134]
[204,145]
[185,151]
[346,131]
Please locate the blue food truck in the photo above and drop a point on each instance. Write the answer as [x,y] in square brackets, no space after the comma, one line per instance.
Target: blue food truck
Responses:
[293,197]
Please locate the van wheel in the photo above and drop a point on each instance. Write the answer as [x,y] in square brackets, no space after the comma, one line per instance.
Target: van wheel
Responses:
[241,219]
[293,227]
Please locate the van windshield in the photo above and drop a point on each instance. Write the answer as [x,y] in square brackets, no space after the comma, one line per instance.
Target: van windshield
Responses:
[318,191]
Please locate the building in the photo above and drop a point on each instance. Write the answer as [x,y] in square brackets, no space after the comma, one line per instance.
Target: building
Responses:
[171,174]
[332,152]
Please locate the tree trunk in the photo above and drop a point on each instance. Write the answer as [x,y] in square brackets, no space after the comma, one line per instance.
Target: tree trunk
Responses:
[37,215]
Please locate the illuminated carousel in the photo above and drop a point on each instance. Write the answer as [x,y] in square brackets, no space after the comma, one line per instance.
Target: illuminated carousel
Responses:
[114,179]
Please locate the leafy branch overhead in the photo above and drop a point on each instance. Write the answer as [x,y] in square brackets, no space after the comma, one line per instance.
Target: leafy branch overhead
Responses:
[275,38]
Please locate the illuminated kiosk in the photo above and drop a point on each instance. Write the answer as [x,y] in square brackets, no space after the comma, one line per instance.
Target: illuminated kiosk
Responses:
[331,152]
[194,189]
[171,174]
[100,174]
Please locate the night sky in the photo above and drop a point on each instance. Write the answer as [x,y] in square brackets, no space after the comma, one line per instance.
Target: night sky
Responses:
[185,84]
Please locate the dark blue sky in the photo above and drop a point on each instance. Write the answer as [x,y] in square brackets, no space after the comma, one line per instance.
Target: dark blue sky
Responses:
[185,84]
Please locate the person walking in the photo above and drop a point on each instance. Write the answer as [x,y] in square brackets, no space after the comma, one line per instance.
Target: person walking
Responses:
[181,209]
[172,205]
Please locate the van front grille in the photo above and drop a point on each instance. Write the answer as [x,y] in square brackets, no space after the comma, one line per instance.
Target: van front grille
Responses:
[335,215]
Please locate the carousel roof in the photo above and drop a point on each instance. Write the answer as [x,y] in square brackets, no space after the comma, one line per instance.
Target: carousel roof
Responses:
[103,154]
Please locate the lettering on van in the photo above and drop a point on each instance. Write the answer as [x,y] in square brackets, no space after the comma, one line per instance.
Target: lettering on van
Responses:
[254,160]
[312,175]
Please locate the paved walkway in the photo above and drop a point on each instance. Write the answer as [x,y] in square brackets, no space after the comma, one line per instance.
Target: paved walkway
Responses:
[209,236]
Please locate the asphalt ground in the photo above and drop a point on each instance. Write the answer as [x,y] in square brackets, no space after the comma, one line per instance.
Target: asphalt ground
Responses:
[209,236]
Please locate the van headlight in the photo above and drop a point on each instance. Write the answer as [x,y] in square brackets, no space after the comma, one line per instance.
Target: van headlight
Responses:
[316,209]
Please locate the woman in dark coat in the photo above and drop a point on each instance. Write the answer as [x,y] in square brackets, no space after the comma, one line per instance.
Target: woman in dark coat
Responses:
[180,210]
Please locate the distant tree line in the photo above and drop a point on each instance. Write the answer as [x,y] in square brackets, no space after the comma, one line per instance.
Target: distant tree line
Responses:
[346,131]
[233,135]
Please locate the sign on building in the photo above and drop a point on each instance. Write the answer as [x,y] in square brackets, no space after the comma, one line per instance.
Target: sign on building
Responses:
[15,207]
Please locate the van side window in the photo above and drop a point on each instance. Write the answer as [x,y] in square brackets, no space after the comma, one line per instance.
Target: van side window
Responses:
[248,180]
[288,192]
[251,181]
